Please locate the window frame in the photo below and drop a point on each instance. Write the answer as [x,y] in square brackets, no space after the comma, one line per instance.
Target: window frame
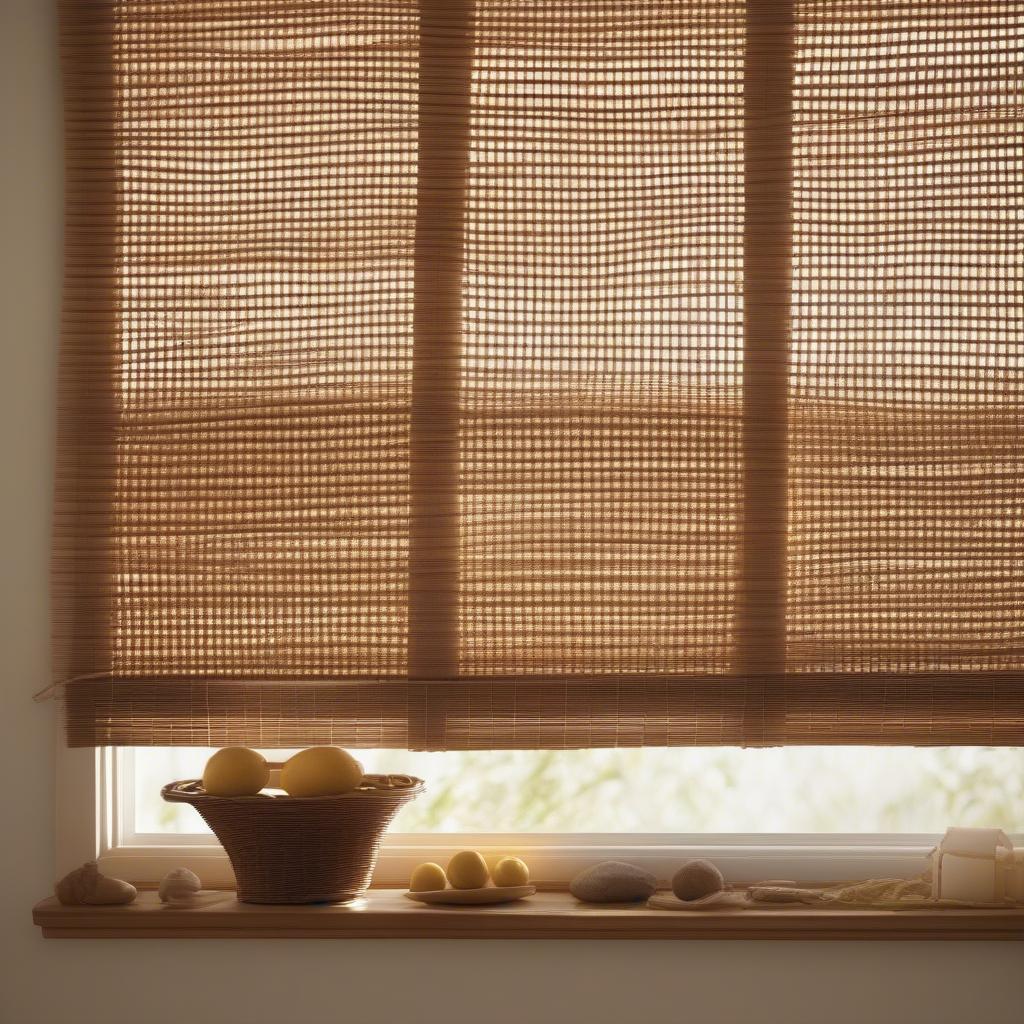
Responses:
[90,809]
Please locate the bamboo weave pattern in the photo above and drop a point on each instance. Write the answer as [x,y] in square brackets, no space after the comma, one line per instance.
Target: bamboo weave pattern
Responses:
[453,374]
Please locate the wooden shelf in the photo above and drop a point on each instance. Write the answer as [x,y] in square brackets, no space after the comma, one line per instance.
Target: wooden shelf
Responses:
[387,914]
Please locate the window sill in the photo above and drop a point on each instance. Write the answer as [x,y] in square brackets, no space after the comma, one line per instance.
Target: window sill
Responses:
[387,914]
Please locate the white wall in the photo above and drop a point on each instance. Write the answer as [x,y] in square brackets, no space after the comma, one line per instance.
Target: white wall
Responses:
[293,982]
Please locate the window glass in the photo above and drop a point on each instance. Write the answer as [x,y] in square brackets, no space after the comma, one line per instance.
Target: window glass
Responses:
[688,790]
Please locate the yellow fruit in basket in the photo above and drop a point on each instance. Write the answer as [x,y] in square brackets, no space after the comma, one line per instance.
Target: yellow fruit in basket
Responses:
[428,878]
[235,771]
[467,870]
[510,871]
[321,771]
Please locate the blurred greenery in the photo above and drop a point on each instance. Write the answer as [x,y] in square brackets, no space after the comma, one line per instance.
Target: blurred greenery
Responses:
[688,790]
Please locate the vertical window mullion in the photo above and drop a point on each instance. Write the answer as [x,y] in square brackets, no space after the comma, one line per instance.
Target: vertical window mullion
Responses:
[767,272]
[445,57]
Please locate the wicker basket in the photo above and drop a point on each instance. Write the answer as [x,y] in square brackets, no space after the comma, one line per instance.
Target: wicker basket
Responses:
[287,849]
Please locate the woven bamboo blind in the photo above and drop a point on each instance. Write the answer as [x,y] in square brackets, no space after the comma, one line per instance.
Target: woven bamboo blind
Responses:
[542,373]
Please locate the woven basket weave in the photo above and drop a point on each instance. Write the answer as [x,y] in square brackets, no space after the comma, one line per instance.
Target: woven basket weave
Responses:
[286,849]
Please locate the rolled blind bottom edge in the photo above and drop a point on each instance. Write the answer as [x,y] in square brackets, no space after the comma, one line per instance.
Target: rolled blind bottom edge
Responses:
[928,709]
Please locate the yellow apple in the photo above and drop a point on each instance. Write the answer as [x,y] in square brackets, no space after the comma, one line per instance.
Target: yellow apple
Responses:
[467,870]
[428,877]
[235,771]
[321,771]
[510,871]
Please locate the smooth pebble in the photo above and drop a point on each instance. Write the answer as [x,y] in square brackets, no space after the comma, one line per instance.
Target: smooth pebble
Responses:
[697,879]
[613,881]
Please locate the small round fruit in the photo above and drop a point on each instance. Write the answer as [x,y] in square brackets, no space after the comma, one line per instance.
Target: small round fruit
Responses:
[235,771]
[428,877]
[697,879]
[467,870]
[510,871]
[321,771]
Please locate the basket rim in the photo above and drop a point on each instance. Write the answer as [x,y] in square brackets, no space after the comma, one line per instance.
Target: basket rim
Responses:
[373,787]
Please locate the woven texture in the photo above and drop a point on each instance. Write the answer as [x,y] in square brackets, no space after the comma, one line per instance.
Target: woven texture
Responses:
[451,374]
[301,849]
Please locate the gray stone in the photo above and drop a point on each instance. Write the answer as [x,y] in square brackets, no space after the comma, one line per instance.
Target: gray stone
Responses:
[613,881]
[697,880]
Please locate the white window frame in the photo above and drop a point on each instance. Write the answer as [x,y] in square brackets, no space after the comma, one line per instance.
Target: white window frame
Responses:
[90,826]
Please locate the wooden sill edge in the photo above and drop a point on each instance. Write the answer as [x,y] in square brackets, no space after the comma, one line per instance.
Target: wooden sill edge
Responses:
[387,914]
